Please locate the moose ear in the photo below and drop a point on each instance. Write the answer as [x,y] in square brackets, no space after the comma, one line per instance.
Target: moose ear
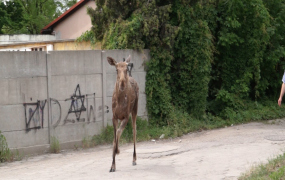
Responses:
[111,61]
[128,59]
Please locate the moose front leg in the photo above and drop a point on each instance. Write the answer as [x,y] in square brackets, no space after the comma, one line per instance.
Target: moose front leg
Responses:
[117,134]
[115,126]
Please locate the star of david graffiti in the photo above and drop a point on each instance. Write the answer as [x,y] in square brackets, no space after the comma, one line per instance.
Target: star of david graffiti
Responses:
[76,105]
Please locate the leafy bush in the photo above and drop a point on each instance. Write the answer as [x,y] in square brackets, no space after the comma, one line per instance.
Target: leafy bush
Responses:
[5,153]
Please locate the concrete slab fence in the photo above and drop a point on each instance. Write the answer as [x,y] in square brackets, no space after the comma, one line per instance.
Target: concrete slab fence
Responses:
[62,94]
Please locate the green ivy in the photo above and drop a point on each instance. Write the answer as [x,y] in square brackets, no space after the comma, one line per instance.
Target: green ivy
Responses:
[87,36]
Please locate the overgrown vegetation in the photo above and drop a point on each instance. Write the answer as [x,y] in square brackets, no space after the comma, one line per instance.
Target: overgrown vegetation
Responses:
[273,170]
[212,61]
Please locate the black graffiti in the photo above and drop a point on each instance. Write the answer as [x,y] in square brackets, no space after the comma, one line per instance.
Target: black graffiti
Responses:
[34,112]
[54,101]
[107,107]
[76,105]
[37,115]
[129,67]
[92,108]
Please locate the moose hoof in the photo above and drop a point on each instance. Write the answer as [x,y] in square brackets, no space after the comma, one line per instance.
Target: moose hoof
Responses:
[134,163]
[112,170]
[118,151]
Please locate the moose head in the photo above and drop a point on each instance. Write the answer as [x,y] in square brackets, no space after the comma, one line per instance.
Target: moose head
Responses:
[122,72]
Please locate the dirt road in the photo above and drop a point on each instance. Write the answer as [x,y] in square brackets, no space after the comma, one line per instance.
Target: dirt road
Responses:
[217,154]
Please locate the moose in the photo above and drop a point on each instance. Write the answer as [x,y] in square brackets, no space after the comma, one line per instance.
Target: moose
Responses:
[124,101]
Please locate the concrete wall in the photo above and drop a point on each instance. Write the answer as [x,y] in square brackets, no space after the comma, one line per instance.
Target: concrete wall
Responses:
[66,94]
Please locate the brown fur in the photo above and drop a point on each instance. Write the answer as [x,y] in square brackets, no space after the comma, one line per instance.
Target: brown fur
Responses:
[124,102]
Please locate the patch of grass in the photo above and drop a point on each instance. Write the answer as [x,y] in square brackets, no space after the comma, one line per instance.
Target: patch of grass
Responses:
[273,170]
[54,145]
[106,136]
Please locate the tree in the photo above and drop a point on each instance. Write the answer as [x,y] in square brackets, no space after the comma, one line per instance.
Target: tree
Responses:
[37,14]
[64,5]
[10,17]
[3,16]
[30,16]
[242,38]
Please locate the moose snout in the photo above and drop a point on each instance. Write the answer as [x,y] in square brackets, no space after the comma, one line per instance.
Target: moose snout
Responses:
[122,85]
[122,81]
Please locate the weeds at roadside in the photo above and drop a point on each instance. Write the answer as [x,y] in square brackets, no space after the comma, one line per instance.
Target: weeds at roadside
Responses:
[6,155]
[54,145]
[75,147]
[87,142]
[17,156]
[180,123]
[273,170]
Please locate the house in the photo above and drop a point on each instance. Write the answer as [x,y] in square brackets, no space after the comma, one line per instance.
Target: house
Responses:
[58,35]
[72,23]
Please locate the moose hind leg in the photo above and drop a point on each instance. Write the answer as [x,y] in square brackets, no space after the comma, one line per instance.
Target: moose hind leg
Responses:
[134,119]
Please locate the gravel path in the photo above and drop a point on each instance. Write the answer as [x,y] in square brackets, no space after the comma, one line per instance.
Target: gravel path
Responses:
[217,154]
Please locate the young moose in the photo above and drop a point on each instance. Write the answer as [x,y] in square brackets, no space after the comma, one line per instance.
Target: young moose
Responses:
[124,102]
